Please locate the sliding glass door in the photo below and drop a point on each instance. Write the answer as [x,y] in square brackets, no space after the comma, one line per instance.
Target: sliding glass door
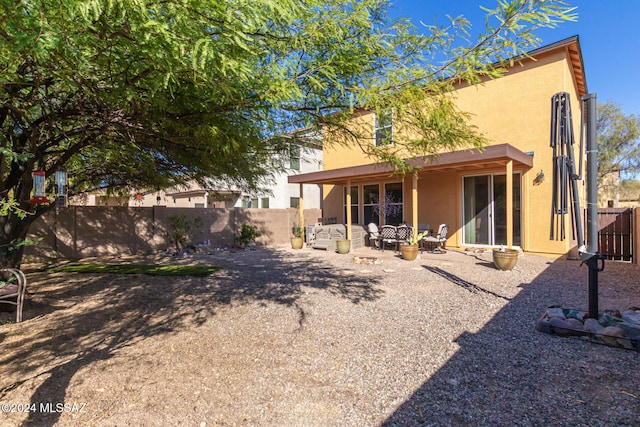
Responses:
[485,210]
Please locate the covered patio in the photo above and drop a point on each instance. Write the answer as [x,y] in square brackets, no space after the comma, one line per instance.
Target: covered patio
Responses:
[498,159]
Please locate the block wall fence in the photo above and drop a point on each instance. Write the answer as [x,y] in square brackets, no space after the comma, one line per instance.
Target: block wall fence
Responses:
[79,232]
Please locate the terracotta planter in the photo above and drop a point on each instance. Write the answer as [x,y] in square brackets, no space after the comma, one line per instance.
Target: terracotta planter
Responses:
[297,242]
[409,252]
[505,259]
[343,246]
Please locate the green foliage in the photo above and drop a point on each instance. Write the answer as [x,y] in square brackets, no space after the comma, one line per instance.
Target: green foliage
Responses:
[181,227]
[296,230]
[630,190]
[618,141]
[248,233]
[10,205]
[145,95]
[415,239]
[151,270]
[138,94]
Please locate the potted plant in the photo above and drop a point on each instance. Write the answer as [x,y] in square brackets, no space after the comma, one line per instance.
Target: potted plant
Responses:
[343,246]
[296,241]
[410,250]
[505,259]
[248,234]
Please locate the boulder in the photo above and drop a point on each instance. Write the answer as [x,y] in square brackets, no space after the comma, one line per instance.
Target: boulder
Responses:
[561,326]
[632,316]
[609,335]
[556,312]
[592,325]
[575,323]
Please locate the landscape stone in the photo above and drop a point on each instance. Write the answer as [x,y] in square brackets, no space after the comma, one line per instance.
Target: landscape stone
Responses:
[632,316]
[556,312]
[592,325]
[561,326]
[631,330]
[575,323]
[609,334]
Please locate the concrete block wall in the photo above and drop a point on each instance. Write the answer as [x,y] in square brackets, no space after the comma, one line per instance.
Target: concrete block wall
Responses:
[79,232]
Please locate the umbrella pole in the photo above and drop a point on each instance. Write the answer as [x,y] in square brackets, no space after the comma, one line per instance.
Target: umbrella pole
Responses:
[592,257]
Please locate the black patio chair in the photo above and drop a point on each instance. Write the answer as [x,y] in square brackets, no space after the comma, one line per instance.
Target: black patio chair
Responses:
[388,235]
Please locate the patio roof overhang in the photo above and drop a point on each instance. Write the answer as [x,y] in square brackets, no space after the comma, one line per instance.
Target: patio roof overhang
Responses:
[491,156]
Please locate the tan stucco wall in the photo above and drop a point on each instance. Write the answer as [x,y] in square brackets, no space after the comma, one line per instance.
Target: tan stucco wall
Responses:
[516,110]
[79,232]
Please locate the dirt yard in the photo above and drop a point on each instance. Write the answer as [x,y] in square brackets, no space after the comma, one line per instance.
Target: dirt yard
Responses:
[279,337]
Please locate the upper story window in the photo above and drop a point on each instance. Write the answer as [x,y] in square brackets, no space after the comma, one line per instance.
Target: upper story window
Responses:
[384,128]
[294,157]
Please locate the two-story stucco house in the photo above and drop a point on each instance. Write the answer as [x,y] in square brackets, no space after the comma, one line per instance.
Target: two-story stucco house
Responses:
[218,194]
[497,196]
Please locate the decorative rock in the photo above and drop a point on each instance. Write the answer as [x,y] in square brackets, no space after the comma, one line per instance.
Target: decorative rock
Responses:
[613,313]
[575,314]
[631,330]
[610,318]
[632,316]
[560,326]
[609,334]
[626,343]
[593,326]
[556,312]
[575,323]
[366,260]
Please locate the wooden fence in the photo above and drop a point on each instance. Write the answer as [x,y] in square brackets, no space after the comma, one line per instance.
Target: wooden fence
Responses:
[616,233]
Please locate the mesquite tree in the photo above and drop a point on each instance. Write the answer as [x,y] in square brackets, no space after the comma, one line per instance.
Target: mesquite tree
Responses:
[147,94]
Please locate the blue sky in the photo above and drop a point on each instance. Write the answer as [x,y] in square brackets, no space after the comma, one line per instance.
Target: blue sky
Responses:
[609,37]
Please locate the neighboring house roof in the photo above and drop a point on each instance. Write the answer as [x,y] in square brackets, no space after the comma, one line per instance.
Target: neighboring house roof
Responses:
[494,154]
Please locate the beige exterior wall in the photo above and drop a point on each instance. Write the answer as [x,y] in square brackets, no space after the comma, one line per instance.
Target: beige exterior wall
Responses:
[79,232]
[514,110]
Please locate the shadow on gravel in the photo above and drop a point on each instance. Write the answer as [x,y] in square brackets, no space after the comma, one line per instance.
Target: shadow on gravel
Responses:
[471,287]
[507,373]
[89,317]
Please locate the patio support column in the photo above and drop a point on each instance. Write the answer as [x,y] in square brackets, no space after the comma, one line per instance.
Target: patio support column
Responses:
[414,201]
[301,209]
[510,204]
[348,203]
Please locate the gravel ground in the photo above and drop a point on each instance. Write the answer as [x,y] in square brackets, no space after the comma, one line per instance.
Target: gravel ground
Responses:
[304,338]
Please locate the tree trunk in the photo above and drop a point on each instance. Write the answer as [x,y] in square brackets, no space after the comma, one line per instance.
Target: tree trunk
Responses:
[13,232]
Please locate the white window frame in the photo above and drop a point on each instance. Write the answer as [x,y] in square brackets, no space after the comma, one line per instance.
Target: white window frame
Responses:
[388,138]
